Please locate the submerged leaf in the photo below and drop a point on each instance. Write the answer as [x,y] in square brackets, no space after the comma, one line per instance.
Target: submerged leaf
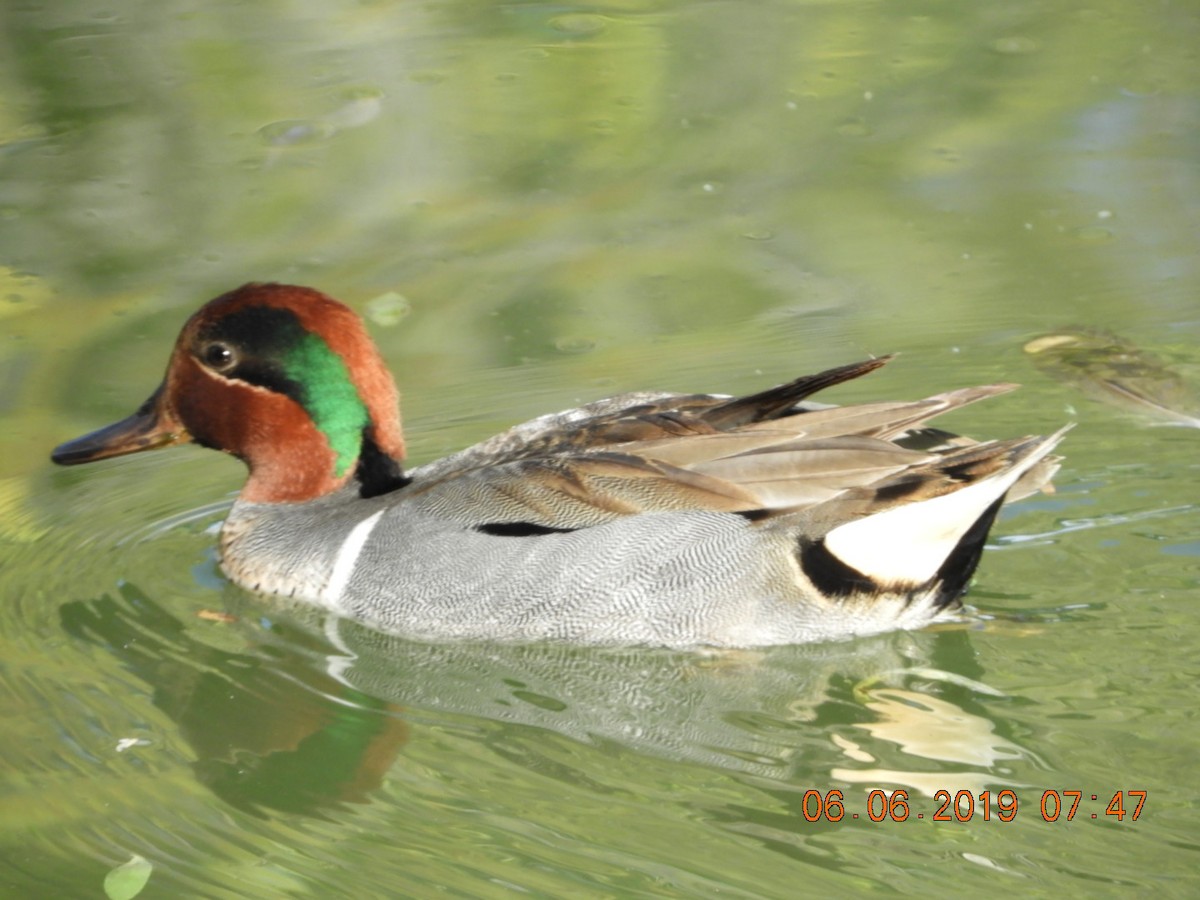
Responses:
[127,880]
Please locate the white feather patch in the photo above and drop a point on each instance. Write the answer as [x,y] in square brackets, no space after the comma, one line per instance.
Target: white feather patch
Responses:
[347,559]
[908,544]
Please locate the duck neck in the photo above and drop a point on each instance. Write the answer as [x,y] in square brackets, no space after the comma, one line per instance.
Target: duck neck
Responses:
[301,443]
[300,462]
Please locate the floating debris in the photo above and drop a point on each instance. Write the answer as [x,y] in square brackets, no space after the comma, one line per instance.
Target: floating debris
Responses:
[359,107]
[216,615]
[1108,368]
[294,132]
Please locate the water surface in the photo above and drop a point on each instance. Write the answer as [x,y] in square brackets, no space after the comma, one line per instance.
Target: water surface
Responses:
[536,205]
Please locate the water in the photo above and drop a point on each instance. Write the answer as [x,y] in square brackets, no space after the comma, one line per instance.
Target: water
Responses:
[537,205]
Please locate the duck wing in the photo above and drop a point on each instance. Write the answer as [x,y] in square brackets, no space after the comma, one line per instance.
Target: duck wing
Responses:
[763,455]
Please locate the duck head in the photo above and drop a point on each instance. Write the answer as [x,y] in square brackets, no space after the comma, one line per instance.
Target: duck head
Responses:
[282,377]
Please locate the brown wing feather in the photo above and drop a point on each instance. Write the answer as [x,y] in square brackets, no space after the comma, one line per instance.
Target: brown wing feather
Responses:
[761,453]
[576,491]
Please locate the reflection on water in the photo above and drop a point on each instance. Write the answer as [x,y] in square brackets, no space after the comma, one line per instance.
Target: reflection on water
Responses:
[930,728]
[266,729]
[305,717]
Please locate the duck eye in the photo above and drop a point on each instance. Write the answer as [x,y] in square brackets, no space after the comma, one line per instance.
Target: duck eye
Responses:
[219,356]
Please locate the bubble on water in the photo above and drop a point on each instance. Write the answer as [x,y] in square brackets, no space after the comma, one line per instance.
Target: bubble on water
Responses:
[1092,234]
[427,76]
[579,24]
[758,234]
[294,132]
[1014,45]
[853,127]
[710,188]
[362,92]
[574,344]
[388,309]
[362,105]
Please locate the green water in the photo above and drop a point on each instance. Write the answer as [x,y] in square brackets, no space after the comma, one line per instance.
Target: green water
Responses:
[538,205]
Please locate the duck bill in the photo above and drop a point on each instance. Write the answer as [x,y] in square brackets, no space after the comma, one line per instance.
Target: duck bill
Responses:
[149,428]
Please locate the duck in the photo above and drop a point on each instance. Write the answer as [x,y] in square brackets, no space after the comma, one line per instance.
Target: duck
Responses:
[643,519]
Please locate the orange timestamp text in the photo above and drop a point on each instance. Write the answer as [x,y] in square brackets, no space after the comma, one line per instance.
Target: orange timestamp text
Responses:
[965,806]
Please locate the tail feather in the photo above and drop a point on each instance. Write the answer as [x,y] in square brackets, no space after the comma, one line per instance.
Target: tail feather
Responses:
[910,544]
[781,400]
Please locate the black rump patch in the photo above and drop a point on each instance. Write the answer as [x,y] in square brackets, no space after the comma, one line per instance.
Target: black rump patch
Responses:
[829,574]
[956,570]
